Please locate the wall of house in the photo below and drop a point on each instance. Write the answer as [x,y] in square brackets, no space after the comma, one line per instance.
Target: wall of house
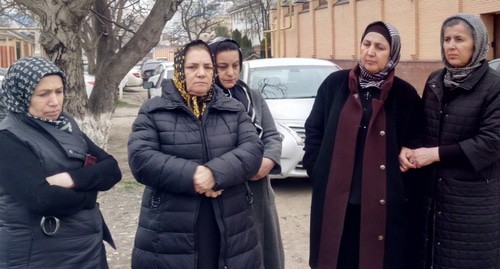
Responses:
[334,31]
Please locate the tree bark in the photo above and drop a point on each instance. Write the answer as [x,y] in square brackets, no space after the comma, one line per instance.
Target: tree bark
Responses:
[61,22]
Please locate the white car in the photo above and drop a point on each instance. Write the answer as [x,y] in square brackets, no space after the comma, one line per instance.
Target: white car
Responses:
[3,72]
[133,77]
[289,86]
[165,70]
[89,83]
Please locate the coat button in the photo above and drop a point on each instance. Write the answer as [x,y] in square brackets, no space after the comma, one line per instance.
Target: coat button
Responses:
[382,167]
[382,133]
[382,201]
[380,237]
[70,151]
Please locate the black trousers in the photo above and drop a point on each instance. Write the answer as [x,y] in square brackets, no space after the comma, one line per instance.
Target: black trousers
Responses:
[349,244]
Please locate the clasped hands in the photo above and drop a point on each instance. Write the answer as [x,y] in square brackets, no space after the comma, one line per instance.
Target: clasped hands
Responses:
[417,158]
[204,182]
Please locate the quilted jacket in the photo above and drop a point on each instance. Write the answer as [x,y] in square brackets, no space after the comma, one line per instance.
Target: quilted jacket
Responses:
[462,202]
[166,145]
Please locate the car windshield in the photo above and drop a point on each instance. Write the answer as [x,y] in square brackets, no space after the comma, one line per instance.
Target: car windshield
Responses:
[150,66]
[287,82]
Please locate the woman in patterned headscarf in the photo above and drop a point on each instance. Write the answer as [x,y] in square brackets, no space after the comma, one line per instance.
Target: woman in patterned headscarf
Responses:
[461,152]
[359,121]
[50,174]
[195,149]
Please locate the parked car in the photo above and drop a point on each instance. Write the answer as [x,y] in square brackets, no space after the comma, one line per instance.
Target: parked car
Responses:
[147,69]
[3,72]
[134,77]
[165,70]
[289,86]
[89,83]
[495,64]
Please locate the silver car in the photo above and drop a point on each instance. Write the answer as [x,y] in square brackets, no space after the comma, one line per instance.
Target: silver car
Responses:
[165,70]
[289,86]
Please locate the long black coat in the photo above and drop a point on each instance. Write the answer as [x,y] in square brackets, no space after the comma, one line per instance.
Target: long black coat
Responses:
[463,199]
[166,145]
[403,113]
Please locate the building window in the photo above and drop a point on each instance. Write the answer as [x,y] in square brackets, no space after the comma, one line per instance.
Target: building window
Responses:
[322,3]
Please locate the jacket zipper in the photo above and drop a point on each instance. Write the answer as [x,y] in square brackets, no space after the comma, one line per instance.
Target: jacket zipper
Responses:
[207,157]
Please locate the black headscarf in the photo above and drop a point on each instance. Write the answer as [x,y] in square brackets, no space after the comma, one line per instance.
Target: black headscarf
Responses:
[240,91]
[197,104]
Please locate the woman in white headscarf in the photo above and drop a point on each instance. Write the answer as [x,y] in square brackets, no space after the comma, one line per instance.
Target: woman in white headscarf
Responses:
[461,152]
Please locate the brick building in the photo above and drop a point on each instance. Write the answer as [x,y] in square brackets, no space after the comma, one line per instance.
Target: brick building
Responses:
[14,45]
[332,29]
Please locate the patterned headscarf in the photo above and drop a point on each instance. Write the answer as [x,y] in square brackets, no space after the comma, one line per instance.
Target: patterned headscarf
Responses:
[367,79]
[197,104]
[454,76]
[20,82]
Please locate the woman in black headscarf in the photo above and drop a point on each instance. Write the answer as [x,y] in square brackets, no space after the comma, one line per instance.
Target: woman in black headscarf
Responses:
[461,152]
[360,120]
[50,174]
[195,149]
[228,59]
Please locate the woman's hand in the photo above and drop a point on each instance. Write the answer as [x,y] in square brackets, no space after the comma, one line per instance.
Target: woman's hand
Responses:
[203,179]
[425,156]
[213,194]
[405,159]
[265,167]
[62,180]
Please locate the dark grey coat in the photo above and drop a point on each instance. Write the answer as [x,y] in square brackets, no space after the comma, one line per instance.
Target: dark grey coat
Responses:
[463,200]
[166,145]
[264,199]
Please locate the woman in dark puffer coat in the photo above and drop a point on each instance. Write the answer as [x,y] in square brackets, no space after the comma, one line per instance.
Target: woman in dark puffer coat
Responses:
[195,149]
[461,153]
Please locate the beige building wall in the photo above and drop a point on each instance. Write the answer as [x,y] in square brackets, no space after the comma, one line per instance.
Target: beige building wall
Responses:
[333,31]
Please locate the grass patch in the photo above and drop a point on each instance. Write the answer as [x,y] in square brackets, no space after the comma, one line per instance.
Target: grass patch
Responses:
[130,185]
[122,103]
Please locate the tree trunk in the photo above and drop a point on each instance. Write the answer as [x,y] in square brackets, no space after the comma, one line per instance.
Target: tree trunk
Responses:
[61,22]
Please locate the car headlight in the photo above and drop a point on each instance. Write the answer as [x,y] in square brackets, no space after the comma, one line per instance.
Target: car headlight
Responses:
[285,128]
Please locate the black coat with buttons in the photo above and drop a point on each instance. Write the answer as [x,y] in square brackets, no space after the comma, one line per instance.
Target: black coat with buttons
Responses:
[462,198]
[403,116]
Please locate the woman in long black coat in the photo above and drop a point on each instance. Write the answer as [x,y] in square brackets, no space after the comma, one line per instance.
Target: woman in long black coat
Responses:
[461,153]
[360,120]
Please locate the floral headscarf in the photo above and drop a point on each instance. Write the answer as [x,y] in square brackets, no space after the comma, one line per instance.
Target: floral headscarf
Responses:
[197,104]
[367,79]
[454,76]
[20,82]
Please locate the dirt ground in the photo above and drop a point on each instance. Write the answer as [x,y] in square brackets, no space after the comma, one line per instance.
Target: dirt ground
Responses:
[121,204]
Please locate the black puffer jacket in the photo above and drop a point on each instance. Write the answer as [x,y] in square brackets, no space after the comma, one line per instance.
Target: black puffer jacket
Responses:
[167,143]
[464,199]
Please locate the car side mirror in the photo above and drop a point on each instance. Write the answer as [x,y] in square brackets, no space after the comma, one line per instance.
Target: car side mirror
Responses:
[147,84]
